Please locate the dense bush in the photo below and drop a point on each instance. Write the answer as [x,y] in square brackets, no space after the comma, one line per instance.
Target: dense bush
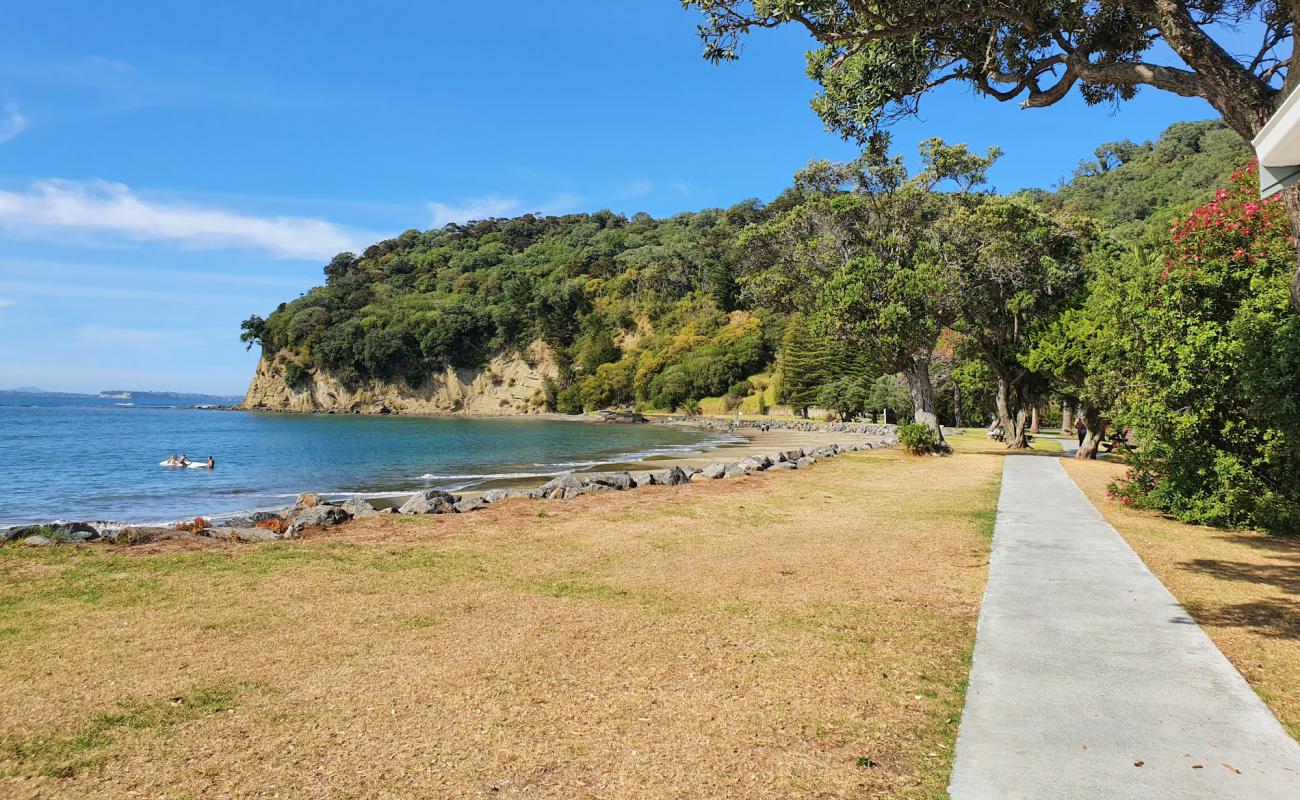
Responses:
[1215,353]
[412,306]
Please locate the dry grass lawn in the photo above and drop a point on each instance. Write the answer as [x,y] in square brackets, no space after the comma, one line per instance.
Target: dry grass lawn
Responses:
[1243,588]
[783,635]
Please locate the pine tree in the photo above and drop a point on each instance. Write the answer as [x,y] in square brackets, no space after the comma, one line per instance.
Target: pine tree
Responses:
[803,365]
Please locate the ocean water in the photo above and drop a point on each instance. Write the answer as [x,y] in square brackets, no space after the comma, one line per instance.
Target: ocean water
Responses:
[96,459]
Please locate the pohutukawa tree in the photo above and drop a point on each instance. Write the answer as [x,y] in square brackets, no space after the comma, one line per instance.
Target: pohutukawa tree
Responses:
[878,58]
[861,255]
[1011,271]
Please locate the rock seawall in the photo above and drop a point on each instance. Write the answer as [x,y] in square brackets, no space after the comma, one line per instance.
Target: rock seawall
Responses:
[511,383]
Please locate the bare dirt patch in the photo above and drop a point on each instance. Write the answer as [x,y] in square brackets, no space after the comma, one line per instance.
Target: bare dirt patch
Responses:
[785,635]
[1242,587]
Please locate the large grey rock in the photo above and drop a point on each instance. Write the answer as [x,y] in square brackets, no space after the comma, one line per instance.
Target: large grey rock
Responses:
[38,541]
[562,487]
[497,495]
[429,501]
[143,534]
[714,471]
[470,504]
[792,455]
[74,531]
[321,516]
[640,479]
[673,476]
[782,465]
[358,508]
[736,469]
[253,534]
[805,462]
[614,480]
[308,499]
[18,532]
[227,533]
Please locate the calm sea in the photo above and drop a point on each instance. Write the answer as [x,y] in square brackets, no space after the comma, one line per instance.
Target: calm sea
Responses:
[94,459]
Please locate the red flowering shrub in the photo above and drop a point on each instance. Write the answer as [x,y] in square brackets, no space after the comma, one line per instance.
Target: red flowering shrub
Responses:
[1215,394]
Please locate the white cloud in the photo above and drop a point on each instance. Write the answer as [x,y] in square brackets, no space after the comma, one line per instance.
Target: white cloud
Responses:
[12,122]
[59,206]
[5,302]
[473,208]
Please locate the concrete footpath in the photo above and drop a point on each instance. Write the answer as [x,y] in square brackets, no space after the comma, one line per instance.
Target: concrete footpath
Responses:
[1091,681]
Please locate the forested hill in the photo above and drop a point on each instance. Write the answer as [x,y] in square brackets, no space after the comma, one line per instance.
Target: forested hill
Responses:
[633,309]
[650,307]
[1134,189]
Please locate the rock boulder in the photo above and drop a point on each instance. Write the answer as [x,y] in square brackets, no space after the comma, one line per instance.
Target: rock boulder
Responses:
[429,501]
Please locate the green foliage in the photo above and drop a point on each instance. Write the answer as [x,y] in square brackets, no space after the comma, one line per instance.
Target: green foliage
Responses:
[1135,190]
[803,364]
[847,397]
[918,439]
[874,62]
[888,393]
[862,253]
[1213,353]
[1017,269]
[569,401]
[415,305]
[294,375]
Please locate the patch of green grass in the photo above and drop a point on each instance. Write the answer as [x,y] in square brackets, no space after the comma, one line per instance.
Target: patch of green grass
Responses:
[66,754]
[1046,444]
[938,734]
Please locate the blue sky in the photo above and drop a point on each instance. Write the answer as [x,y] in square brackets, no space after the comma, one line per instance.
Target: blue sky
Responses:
[168,169]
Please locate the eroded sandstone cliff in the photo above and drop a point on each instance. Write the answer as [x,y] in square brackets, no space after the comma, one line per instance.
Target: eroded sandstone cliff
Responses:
[511,383]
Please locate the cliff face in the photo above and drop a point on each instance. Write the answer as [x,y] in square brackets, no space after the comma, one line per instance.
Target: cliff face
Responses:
[506,386]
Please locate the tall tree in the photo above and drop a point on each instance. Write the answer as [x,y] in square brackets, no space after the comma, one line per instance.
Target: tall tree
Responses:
[861,253]
[878,59]
[803,365]
[1012,270]
[1088,350]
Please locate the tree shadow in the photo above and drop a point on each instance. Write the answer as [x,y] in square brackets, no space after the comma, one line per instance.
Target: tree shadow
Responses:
[1274,615]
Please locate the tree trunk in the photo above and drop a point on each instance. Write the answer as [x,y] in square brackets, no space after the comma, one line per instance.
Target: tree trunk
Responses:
[917,374]
[1094,432]
[1067,420]
[1011,413]
[957,421]
[1291,199]
[1034,420]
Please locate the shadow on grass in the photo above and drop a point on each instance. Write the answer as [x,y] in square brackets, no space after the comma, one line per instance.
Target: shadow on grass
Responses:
[1275,616]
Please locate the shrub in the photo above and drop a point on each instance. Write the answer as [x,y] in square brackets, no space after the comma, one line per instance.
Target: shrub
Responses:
[1217,349]
[569,401]
[918,439]
[294,375]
